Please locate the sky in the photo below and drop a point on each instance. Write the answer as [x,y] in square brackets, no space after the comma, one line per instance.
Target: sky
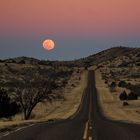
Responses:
[78,27]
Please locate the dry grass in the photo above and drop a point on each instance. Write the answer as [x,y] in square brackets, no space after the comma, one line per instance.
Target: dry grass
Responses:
[73,95]
[59,109]
[112,106]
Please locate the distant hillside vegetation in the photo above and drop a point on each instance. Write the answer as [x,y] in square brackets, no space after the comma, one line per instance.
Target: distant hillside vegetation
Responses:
[96,59]
[104,56]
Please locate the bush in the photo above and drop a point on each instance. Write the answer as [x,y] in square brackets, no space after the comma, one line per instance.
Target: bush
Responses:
[113,86]
[86,67]
[125,104]
[72,85]
[8,108]
[21,62]
[123,96]
[132,96]
[122,84]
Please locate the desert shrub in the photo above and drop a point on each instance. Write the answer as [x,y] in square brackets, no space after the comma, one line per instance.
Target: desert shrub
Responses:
[106,82]
[123,96]
[128,85]
[8,107]
[86,67]
[72,85]
[42,62]
[112,86]
[137,64]
[21,62]
[132,96]
[125,104]
[138,54]
[134,88]
[135,75]
[77,71]
[6,64]
[124,64]
[122,84]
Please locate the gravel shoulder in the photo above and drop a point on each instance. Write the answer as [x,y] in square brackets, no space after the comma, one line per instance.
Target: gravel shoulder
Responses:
[111,105]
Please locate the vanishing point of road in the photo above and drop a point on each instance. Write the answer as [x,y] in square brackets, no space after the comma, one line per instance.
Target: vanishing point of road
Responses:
[87,123]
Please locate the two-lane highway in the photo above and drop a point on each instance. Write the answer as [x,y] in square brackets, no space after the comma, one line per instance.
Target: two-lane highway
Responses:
[87,123]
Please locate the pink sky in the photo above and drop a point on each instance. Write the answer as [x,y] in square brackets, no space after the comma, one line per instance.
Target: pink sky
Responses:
[99,18]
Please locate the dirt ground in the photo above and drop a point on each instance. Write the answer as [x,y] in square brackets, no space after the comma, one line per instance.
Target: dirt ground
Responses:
[111,105]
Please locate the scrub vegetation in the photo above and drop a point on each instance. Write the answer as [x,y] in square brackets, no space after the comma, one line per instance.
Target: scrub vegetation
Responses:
[118,84]
[26,82]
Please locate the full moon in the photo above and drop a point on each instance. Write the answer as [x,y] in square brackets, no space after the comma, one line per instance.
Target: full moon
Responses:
[48,44]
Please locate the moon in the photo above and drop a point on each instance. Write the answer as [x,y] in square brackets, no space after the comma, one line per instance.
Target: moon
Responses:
[48,44]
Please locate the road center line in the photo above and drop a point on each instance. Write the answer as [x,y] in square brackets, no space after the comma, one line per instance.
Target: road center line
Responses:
[85,131]
[90,138]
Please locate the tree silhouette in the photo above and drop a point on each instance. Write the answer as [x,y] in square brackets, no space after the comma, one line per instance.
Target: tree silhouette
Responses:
[33,91]
[8,107]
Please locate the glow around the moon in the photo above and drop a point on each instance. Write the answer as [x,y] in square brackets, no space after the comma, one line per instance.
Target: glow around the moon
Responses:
[48,44]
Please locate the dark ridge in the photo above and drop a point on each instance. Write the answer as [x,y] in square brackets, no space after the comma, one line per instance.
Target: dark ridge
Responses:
[95,59]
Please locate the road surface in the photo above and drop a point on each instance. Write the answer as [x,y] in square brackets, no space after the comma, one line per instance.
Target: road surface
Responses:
[87,123]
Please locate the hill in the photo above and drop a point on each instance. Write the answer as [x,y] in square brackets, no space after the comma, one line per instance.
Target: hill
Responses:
[104,56]
[118,85]
[95,59]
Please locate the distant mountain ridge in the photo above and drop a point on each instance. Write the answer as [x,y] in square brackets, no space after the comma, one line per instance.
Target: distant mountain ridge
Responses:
[22,59]
[106,55]
[95,59]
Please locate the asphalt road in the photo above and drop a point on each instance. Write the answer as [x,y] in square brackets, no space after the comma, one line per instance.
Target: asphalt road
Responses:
[87,123]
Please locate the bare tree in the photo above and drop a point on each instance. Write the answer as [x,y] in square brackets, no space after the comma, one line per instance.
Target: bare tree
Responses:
[32,92]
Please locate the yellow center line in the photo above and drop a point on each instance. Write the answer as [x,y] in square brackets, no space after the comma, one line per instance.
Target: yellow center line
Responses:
[90,138]
[88,125]
[85,131]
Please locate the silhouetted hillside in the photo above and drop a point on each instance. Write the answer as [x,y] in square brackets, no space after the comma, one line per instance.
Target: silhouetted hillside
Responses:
[103,56]
[95,59]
